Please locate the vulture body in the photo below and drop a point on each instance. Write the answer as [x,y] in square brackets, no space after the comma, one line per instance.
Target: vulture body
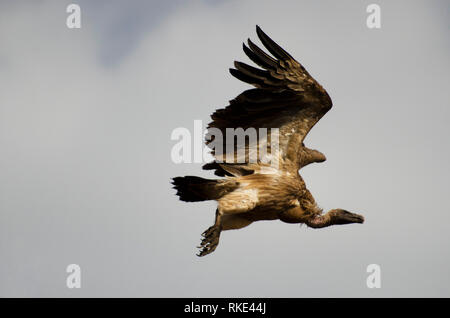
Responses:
[285,97]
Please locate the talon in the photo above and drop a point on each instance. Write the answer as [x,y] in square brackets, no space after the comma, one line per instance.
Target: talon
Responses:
[208,231]
[210,240]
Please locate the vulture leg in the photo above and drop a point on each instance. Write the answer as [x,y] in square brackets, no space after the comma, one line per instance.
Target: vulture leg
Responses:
[235,221]
[211,236]
[223,223]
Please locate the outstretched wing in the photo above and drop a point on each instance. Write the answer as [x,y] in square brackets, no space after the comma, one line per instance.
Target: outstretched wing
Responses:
[286,97]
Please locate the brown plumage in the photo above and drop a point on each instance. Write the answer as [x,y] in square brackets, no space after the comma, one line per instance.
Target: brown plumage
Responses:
[288,98]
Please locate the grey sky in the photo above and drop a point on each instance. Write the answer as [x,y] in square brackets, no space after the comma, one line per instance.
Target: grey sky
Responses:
[85,123]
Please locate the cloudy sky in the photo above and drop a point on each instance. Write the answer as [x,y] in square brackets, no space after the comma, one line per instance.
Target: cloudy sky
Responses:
[85,122]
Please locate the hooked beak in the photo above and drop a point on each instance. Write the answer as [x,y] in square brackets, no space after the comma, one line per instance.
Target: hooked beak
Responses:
[321,157]
[346,217]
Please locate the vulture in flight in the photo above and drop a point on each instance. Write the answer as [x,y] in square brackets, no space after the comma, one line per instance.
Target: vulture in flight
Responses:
[287,98]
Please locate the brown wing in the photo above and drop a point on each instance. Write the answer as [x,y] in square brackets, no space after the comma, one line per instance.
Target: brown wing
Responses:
[286,97]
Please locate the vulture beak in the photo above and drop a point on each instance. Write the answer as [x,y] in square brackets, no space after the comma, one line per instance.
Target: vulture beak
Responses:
[320,157]
[340,216]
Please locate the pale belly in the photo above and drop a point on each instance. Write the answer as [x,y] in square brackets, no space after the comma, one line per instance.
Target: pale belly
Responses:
[238,201]
[262,197]
[258,206]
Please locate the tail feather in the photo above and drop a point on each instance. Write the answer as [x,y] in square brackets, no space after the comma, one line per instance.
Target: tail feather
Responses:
[193,189]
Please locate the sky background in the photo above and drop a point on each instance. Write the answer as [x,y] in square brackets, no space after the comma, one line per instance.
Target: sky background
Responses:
[85,122]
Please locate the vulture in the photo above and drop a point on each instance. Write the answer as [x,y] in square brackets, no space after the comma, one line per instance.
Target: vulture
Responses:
[286,98]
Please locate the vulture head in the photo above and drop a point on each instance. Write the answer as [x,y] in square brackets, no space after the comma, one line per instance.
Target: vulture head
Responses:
[336,217]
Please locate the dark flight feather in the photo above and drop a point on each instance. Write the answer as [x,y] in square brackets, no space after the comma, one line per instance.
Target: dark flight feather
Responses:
[273,48]
[259,56]
[193,189]
[286,97]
